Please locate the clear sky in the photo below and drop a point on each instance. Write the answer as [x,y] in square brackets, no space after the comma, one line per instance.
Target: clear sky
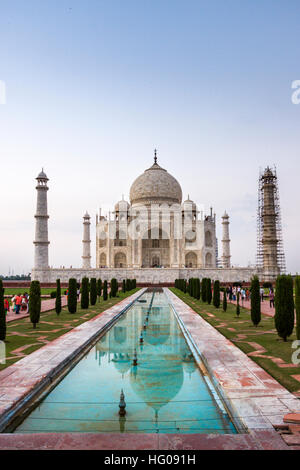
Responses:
[92,86]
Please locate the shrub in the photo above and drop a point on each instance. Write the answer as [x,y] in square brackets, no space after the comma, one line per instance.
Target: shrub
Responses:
[224,300]
[284,306]
[297,305]
[208,291]
[255,301]
[53,294]
[238,309]
[216,298]
[35,302]
[85,293]
[113,287]
[2,314]
[72,296]
[58,297]
[99,288]
[105,290]
[204,290]
[93,292]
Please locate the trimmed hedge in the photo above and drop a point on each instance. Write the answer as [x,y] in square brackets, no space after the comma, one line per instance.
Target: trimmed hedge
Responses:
[58,297]
[284,306]
[216,297]
[35,302]
[2,314]
[93,292]
[255,301]
[85,293]
[72,295]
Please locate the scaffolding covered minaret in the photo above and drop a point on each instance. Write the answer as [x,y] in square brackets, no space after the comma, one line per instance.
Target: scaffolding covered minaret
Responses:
[270,253]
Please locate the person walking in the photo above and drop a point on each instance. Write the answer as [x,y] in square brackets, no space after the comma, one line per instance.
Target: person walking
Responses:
[271,298]
[262,291]
[6,306]
[18,303]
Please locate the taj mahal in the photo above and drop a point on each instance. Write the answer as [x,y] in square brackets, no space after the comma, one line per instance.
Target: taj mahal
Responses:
[156,237]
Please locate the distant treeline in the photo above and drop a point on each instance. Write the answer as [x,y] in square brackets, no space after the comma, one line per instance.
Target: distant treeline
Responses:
[17,277]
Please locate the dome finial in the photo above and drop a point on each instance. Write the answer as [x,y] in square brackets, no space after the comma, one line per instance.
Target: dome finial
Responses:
[155,156]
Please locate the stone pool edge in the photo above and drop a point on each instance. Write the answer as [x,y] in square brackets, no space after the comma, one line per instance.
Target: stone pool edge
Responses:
[250,394]
[25,381]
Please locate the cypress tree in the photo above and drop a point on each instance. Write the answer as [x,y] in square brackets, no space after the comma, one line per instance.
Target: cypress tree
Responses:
[297,305]
[208,291]
[99,288]
[93,293]
[72,295]
[216,298]
[124,286]
[35,302]
[255,301]
[238,310]
[198,292]
[113,287]
[224,300]
[134,284]
[105,290]
[128,285]
[284,306]
[85,293]
[2,314]
[58,297]
[204,289]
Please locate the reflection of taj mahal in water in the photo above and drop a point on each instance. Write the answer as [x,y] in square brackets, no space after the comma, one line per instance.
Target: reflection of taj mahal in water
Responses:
[155,384]
[156,238]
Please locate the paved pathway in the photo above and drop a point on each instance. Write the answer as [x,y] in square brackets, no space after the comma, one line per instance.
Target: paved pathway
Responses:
[47,305]
[265,306]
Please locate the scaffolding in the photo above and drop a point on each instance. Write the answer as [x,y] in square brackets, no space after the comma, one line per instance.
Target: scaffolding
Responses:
[269,175]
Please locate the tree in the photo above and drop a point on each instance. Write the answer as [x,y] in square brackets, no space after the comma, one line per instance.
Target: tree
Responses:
[72,295]
[255,301]
[297,305]
[2,314]
[203,290]
[35,302]
[93,293]
[124,286]
[224,300]
[99,288]
[128,285]
[58,297]
[197,288]
[284,306]
[113,287]
[105,290]
[85,293]
[238,309]
[216,298]
[208,291]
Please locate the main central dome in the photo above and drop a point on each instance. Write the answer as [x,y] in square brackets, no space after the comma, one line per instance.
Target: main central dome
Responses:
[155,185]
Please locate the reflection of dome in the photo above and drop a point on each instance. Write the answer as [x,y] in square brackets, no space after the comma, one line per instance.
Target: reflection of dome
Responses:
[121,363]
[156,333]
[158,386]
[156,185]
[189,366]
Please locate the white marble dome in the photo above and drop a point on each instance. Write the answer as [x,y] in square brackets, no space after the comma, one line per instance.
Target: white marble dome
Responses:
[155,185]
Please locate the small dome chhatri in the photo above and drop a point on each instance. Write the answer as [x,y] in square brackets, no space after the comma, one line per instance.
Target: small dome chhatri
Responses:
[42,176]
[155,185]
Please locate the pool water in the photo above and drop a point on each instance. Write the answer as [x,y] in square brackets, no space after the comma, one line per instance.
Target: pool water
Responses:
[166,392]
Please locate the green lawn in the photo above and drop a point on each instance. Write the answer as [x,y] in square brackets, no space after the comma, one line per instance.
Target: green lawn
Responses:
[21,290]
[20,333]
[265,335]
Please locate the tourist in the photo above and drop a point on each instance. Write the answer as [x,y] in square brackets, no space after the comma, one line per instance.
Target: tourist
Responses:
[6,306]
[234,293]
[271,298]
[262,291]
[18,303]
[243,295]
[247,295]
[78,293]
[13,303]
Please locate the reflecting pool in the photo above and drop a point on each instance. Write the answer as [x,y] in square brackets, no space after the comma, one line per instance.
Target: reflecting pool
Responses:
[165,392]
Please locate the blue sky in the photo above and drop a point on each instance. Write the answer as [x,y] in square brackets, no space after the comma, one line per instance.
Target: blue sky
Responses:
[93,86]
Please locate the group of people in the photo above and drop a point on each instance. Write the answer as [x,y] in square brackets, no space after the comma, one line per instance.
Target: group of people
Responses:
[245,294]
[20,303]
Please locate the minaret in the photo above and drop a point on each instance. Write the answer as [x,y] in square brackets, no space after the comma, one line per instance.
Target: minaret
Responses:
[226,241]
[41,259]
[86,243]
